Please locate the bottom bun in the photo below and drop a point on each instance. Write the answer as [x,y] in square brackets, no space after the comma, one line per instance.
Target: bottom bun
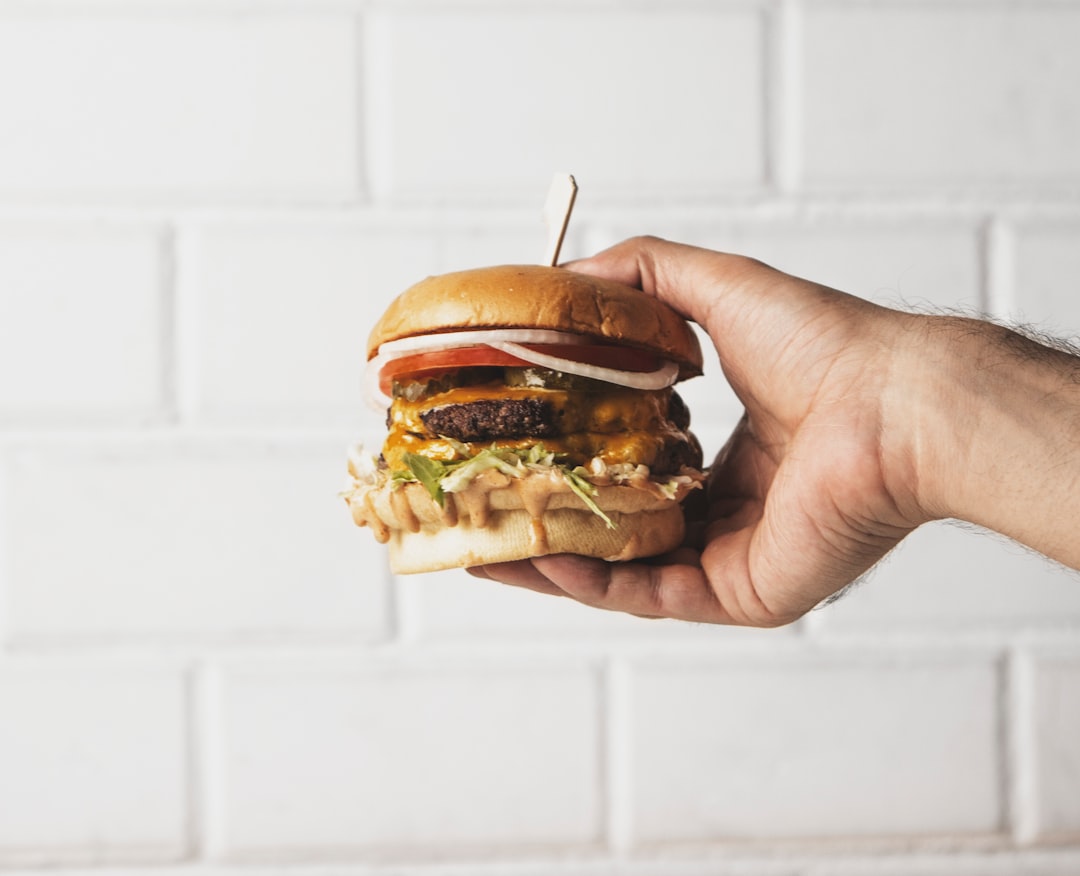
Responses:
[516,535]
[496,519]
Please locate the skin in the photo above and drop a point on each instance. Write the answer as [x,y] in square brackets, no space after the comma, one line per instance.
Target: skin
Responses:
[861,423]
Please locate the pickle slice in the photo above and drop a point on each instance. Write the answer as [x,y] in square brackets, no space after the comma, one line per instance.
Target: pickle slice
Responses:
[420,386]
[544,378]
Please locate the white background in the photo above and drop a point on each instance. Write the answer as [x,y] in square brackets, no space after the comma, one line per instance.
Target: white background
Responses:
[206,669]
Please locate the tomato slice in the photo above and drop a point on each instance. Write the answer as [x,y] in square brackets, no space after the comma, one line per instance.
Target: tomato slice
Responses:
[621,358]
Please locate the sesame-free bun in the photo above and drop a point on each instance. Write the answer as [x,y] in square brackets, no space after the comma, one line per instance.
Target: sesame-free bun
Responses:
[486,525]
[535,296]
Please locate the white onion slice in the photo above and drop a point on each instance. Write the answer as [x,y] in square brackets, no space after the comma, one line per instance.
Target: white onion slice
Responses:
[663,376]
[373,395]
[450,340]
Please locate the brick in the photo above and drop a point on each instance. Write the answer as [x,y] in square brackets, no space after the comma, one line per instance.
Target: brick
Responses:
[186,541]
[1046,254]
[92,756]
[119,107]
[945,576]
[1053,723]
[81,321]
[401,759]
[279,312]
[950,94]
[1036,862]
[519,96]
[812,746]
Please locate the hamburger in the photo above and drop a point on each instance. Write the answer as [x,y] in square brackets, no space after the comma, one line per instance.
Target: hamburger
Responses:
[530,410]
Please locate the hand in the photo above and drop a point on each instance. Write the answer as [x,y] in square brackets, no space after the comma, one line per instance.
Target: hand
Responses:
[861,423]
[809,491]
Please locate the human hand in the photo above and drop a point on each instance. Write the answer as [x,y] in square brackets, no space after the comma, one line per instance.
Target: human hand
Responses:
[816,482]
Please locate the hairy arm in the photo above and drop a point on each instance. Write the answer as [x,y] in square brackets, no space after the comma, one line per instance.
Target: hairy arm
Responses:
[997,435]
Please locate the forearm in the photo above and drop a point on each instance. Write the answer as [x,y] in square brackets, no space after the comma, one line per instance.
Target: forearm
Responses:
[997,437]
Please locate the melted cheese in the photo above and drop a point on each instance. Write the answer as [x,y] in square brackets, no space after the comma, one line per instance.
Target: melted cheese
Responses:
[620,410]
[622,426]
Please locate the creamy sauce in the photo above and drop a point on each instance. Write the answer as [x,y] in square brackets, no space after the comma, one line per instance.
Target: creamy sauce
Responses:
[450,509]
[399,501]
[378,527]
[538,540]
[535,493]
[477,504]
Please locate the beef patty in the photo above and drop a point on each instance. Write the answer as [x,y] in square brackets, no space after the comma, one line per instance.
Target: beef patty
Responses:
[488,419]
[511,418]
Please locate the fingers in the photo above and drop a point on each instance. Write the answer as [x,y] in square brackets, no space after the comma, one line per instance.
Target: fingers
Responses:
[672,590]
[518,574]
[687,278]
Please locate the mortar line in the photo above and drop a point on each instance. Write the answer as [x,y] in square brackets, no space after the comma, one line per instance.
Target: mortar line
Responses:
[998,266]
[361,126]
[204,806]
[403,626]
[168,324]
[1021,800]
[185,302]
[615,764]
[783,104]
[194,767]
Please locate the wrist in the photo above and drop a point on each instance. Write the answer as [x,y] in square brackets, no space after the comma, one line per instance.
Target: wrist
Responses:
[995,431]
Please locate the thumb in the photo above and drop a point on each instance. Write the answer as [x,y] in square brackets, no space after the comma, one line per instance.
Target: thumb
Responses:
[691,280]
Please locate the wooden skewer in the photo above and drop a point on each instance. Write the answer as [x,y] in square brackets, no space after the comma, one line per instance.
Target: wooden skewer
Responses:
[557,207]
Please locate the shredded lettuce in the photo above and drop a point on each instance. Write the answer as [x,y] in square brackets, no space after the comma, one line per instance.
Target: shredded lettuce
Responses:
[453,476]
[440,477]
[585,491]
[463,474]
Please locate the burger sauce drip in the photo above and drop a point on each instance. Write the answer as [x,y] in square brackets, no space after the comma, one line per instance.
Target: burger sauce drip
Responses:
[399,501]
[450,509]
[535,494]
[476,504]
[378,527]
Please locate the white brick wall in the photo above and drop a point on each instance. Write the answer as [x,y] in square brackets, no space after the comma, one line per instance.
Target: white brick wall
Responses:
[59,279]
[504,96]
[883,748]
[406,756]
[187,541]
[93,755]
[950,576]
[206,670]
[1045,253]
[1052,743]
[136,106]
[909,96]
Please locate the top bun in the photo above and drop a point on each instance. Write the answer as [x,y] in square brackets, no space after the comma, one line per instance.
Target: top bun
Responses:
[535,296]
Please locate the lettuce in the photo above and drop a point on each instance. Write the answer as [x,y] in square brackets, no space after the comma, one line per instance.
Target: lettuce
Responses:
[585,491]
[453,476]
[429,472]
[463,474]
